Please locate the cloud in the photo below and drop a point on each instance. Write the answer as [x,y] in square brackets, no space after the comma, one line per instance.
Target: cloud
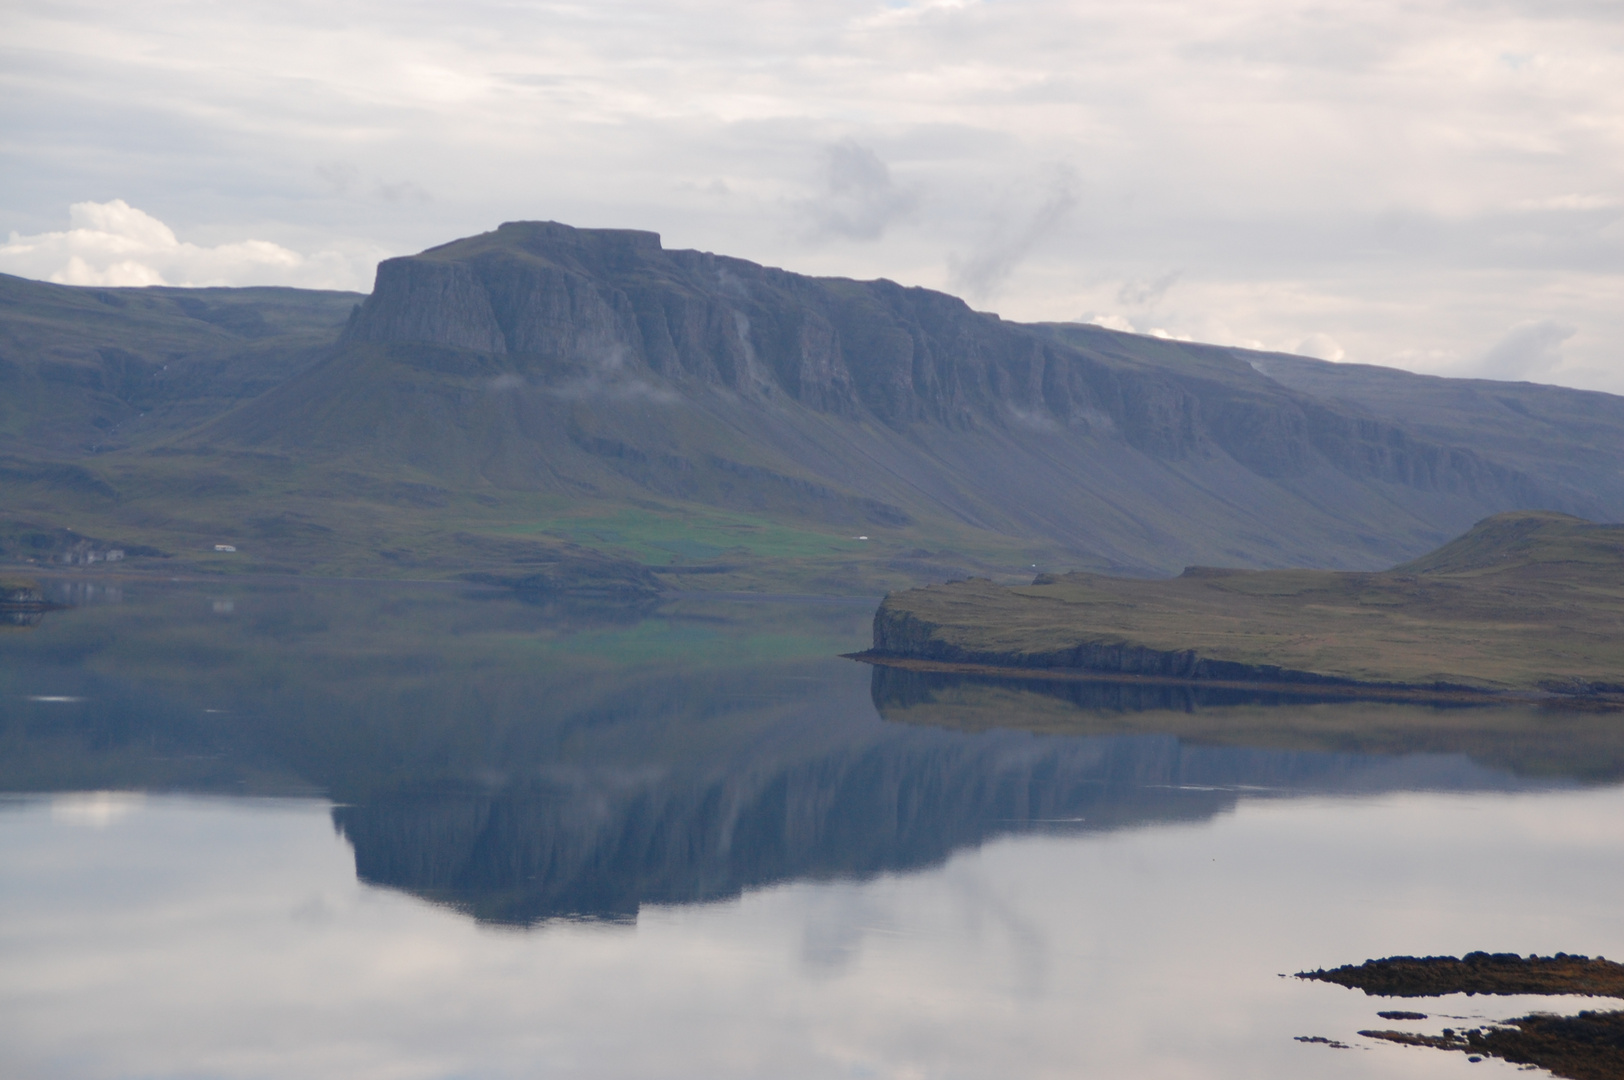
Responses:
[1571,202]
[116,244]
[1143,326]
[1378,171]
[904,11]
[1527,350]
[339,176]
[1320,346]
[401,191]
[1147,292]
[990,265]
[1114,322]
[859,199]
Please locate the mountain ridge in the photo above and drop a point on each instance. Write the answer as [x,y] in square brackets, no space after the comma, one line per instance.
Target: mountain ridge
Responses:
[601,374]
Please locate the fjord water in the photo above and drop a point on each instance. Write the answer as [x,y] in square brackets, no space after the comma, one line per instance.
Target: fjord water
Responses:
[373,830]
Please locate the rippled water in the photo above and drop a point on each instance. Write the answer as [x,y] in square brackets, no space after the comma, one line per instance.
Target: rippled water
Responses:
[411,831]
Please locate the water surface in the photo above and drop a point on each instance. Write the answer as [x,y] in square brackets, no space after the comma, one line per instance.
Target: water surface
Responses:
[360,830]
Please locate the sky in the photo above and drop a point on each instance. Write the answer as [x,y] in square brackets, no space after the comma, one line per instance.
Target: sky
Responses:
[1437,186]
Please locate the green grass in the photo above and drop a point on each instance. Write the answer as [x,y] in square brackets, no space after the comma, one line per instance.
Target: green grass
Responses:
[335,520]
[669,536]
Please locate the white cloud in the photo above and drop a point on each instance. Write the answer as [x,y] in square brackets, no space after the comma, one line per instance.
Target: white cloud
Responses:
[1147,292]
[116,244]
[1571,202]
[1114,322]
[1013,237]
[1321,347]
[1527,351]
[859,199]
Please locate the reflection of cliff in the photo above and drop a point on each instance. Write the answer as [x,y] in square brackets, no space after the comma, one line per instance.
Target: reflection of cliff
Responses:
[1524,739]
[599,845]
[899,689]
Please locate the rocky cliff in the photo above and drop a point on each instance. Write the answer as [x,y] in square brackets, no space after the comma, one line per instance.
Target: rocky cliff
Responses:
[565,303]
[579,360]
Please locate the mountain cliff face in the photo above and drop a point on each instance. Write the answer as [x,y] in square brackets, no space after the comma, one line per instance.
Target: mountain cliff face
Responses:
[560,301]
[545,357]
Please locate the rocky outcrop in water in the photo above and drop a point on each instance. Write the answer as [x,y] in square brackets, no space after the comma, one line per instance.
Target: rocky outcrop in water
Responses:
[902,633]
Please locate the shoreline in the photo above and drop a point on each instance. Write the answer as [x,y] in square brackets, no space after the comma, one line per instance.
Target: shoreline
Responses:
[1342,688]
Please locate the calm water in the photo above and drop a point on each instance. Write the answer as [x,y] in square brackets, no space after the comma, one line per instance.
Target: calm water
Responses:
[403,831]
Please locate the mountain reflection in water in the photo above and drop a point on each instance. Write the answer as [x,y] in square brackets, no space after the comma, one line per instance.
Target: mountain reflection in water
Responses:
[522,762]
[600,846]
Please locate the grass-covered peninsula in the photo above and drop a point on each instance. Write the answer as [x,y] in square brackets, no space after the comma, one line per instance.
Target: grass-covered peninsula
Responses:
[1524,602]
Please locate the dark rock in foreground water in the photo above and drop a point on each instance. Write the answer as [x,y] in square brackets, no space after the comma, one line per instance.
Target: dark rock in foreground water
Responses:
[1479,973]
[1589,1046]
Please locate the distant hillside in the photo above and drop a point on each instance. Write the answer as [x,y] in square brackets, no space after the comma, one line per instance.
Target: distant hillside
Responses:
[541,385]
[1522,602]
[90,370]
[1530,543]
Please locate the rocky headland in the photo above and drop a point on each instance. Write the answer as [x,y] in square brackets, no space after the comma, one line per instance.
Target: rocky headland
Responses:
[1525,603]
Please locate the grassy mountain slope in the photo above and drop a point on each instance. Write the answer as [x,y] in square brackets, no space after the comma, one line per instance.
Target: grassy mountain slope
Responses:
[88,370]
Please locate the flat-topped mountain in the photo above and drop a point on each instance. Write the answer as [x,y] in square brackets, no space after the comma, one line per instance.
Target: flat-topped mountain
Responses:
[1522,602]
[543,385]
